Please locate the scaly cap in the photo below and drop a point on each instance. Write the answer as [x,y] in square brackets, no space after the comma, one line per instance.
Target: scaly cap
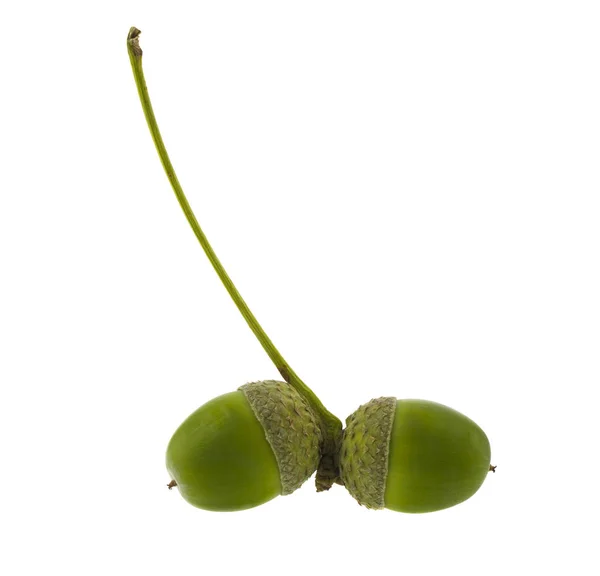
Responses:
[291,428]
[365,451]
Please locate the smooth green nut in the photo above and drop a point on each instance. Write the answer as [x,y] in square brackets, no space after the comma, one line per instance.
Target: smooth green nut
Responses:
[412,456]
[244,448]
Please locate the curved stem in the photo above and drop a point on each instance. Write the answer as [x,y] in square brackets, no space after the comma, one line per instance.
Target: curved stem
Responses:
[332,425]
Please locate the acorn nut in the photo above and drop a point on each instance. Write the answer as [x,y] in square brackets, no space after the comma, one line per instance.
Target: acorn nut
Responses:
[412,455]
[244,448]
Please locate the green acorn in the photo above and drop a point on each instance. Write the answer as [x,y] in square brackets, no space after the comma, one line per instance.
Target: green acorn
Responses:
[412,456]
[244,448]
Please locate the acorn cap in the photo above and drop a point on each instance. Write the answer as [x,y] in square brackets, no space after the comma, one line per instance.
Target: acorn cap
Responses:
[291,428]
[365,451]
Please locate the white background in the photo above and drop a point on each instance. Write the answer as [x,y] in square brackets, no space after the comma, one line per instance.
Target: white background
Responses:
[406,194]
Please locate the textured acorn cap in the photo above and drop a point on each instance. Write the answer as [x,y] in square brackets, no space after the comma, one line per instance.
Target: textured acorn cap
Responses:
[364,453]
[291,428]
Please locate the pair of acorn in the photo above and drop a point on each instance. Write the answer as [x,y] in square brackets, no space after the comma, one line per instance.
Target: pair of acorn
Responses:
[266,439]
[244,448]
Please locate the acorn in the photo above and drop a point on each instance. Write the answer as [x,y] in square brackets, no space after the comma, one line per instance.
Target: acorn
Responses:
[412,456]
[244,448]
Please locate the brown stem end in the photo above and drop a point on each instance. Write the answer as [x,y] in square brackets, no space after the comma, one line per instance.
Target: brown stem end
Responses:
[133,39]
[171,484]
[493,468]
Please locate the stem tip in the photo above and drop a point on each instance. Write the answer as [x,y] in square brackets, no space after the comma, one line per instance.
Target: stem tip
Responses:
[133,39]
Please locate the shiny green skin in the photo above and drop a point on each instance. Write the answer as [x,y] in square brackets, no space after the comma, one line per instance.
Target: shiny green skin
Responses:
[437,457]
[221,459]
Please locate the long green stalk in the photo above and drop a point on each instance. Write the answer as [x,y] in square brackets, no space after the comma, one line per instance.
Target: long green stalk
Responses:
[332,426]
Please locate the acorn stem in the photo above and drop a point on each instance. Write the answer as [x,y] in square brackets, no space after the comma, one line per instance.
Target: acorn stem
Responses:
[171,484]
[332,426]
